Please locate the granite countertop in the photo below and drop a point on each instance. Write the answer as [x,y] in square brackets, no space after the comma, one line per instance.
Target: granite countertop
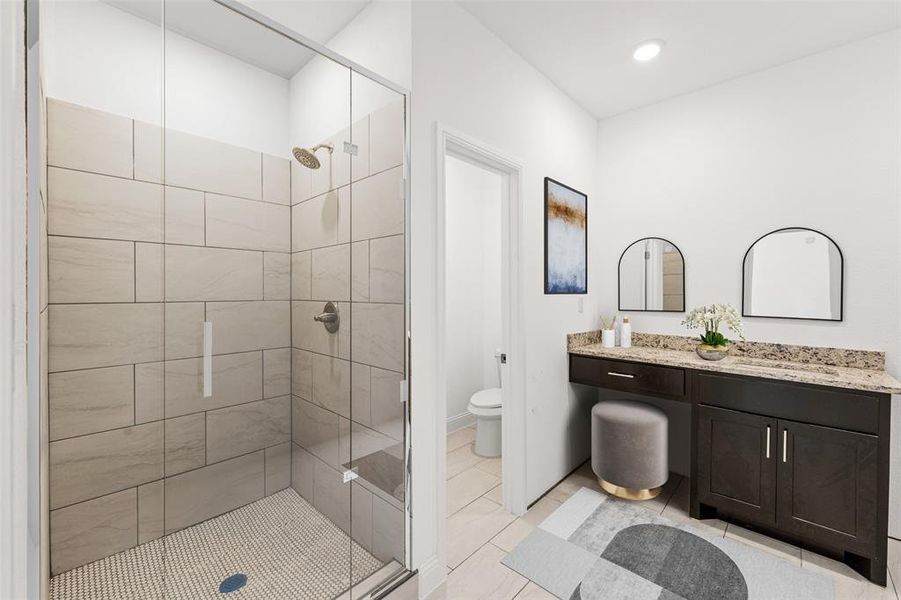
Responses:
[802,364]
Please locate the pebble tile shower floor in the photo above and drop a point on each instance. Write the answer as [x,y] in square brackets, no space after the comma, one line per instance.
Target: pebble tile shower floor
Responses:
[286,548]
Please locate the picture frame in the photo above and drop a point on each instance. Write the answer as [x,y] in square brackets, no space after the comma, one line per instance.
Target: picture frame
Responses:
[565,239]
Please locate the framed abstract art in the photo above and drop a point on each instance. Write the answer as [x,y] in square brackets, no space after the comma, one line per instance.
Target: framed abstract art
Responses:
[565,239]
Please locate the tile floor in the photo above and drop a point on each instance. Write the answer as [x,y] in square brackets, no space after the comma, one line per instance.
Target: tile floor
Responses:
[480,532]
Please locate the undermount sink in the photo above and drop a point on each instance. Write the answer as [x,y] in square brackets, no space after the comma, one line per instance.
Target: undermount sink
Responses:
[749,362]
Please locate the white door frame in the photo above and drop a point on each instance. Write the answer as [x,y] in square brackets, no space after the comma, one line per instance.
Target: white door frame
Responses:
[453,143]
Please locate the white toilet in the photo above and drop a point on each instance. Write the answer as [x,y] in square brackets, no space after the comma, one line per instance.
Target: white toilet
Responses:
[485,405]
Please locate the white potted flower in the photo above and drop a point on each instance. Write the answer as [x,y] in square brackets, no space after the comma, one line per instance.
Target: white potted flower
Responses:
[714,345]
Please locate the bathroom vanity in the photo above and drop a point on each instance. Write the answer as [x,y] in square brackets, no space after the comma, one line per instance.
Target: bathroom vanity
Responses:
[791,441]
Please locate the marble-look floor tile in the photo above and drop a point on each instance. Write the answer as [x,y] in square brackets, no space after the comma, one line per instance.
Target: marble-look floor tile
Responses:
[483,576]
[849,584]
[534,592]
[460,437]
[491,465]
[472,527]
[541,510]
[461,459]
[677,510]
[765,543]
[512,535]
[496,494]
[467,486]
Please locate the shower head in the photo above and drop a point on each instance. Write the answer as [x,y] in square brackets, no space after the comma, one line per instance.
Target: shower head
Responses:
[307,157]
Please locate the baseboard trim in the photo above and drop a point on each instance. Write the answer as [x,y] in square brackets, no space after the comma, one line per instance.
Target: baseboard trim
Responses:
[460,421]
[432,574]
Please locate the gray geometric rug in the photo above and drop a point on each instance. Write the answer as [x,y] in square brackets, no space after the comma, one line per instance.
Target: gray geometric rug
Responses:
[595,546]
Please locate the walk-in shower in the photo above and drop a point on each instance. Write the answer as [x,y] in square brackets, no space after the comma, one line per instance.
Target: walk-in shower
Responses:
[212,182]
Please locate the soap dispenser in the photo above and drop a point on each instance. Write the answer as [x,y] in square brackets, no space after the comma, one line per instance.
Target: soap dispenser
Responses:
[625,333]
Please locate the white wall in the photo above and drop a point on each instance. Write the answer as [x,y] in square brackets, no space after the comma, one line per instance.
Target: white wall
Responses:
[99,56]
[473,284]
[325,97]
[812,143]
[466,78]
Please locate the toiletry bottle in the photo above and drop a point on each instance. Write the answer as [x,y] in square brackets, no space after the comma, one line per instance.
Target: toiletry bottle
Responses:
[625,333]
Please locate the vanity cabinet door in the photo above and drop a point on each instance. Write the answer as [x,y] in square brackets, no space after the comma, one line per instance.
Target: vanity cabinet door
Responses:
[828,485]
[737,463]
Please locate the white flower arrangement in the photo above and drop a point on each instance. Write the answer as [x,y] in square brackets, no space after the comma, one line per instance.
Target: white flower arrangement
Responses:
[709,318]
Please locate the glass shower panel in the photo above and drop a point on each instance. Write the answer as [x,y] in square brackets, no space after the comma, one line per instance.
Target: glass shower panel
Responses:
[257,291]
[378,332]
[102,84]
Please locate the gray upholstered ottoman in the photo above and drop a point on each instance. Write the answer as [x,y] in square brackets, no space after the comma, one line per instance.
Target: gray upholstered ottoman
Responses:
[629,448]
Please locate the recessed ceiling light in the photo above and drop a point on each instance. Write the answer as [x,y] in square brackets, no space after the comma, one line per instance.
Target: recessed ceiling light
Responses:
[648,50]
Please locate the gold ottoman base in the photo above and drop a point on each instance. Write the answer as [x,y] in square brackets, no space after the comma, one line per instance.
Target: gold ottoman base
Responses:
[629,493]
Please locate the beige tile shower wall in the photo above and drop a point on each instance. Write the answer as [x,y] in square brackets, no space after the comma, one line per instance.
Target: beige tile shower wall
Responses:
[138,259]
[348,247]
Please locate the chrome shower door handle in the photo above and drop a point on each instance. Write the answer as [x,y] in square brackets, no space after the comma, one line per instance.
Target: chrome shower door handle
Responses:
[767,441]
[207,359]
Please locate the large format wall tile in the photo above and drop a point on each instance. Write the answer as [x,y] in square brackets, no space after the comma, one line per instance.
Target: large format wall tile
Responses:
[97,206]
[359,164]
[276,372]
[93,465]
[278,468]
[378,205]
[359,271]
[204,493]
[237,378]
[302,465]
[387,531]
[301,183]
[149,392]
[239,223]
[276,276]
[320,432]
[247,427]
[88,140]
[302,373]
[184,329]
[150,511]
[101,335]
[386,137]
[85,270]
[89,401]
[148,152]
[301,275]
[378,335]
[360,393]
[213,274]
[184,216]
[331,273]
[185,443]
[386,269]
[203,164]
[331,496]
[92,530]
[308,334]
[321,221]
[387,410]
[331,384]
[148,272]
[243,326]
[276,179]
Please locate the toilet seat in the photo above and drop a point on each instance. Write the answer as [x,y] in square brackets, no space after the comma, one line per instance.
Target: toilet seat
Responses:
[488,398]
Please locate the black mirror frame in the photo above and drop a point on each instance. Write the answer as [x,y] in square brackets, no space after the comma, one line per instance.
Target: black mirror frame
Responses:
[619,266]
[841,283]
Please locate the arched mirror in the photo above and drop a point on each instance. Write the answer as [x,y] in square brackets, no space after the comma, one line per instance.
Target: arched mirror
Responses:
[793,273]
[652,276]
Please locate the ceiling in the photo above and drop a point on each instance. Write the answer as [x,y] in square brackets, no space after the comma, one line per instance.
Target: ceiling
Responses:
[586,47]
[218,27]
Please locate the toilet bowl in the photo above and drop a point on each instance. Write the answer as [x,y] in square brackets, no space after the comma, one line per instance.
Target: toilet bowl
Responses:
[485,406]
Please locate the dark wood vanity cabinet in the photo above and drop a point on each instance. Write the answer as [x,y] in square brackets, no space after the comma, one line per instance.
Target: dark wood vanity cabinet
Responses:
[822,486]
[805,463]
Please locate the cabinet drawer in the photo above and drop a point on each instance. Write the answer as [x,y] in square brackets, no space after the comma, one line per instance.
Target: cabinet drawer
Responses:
[640,378]
[831,407]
